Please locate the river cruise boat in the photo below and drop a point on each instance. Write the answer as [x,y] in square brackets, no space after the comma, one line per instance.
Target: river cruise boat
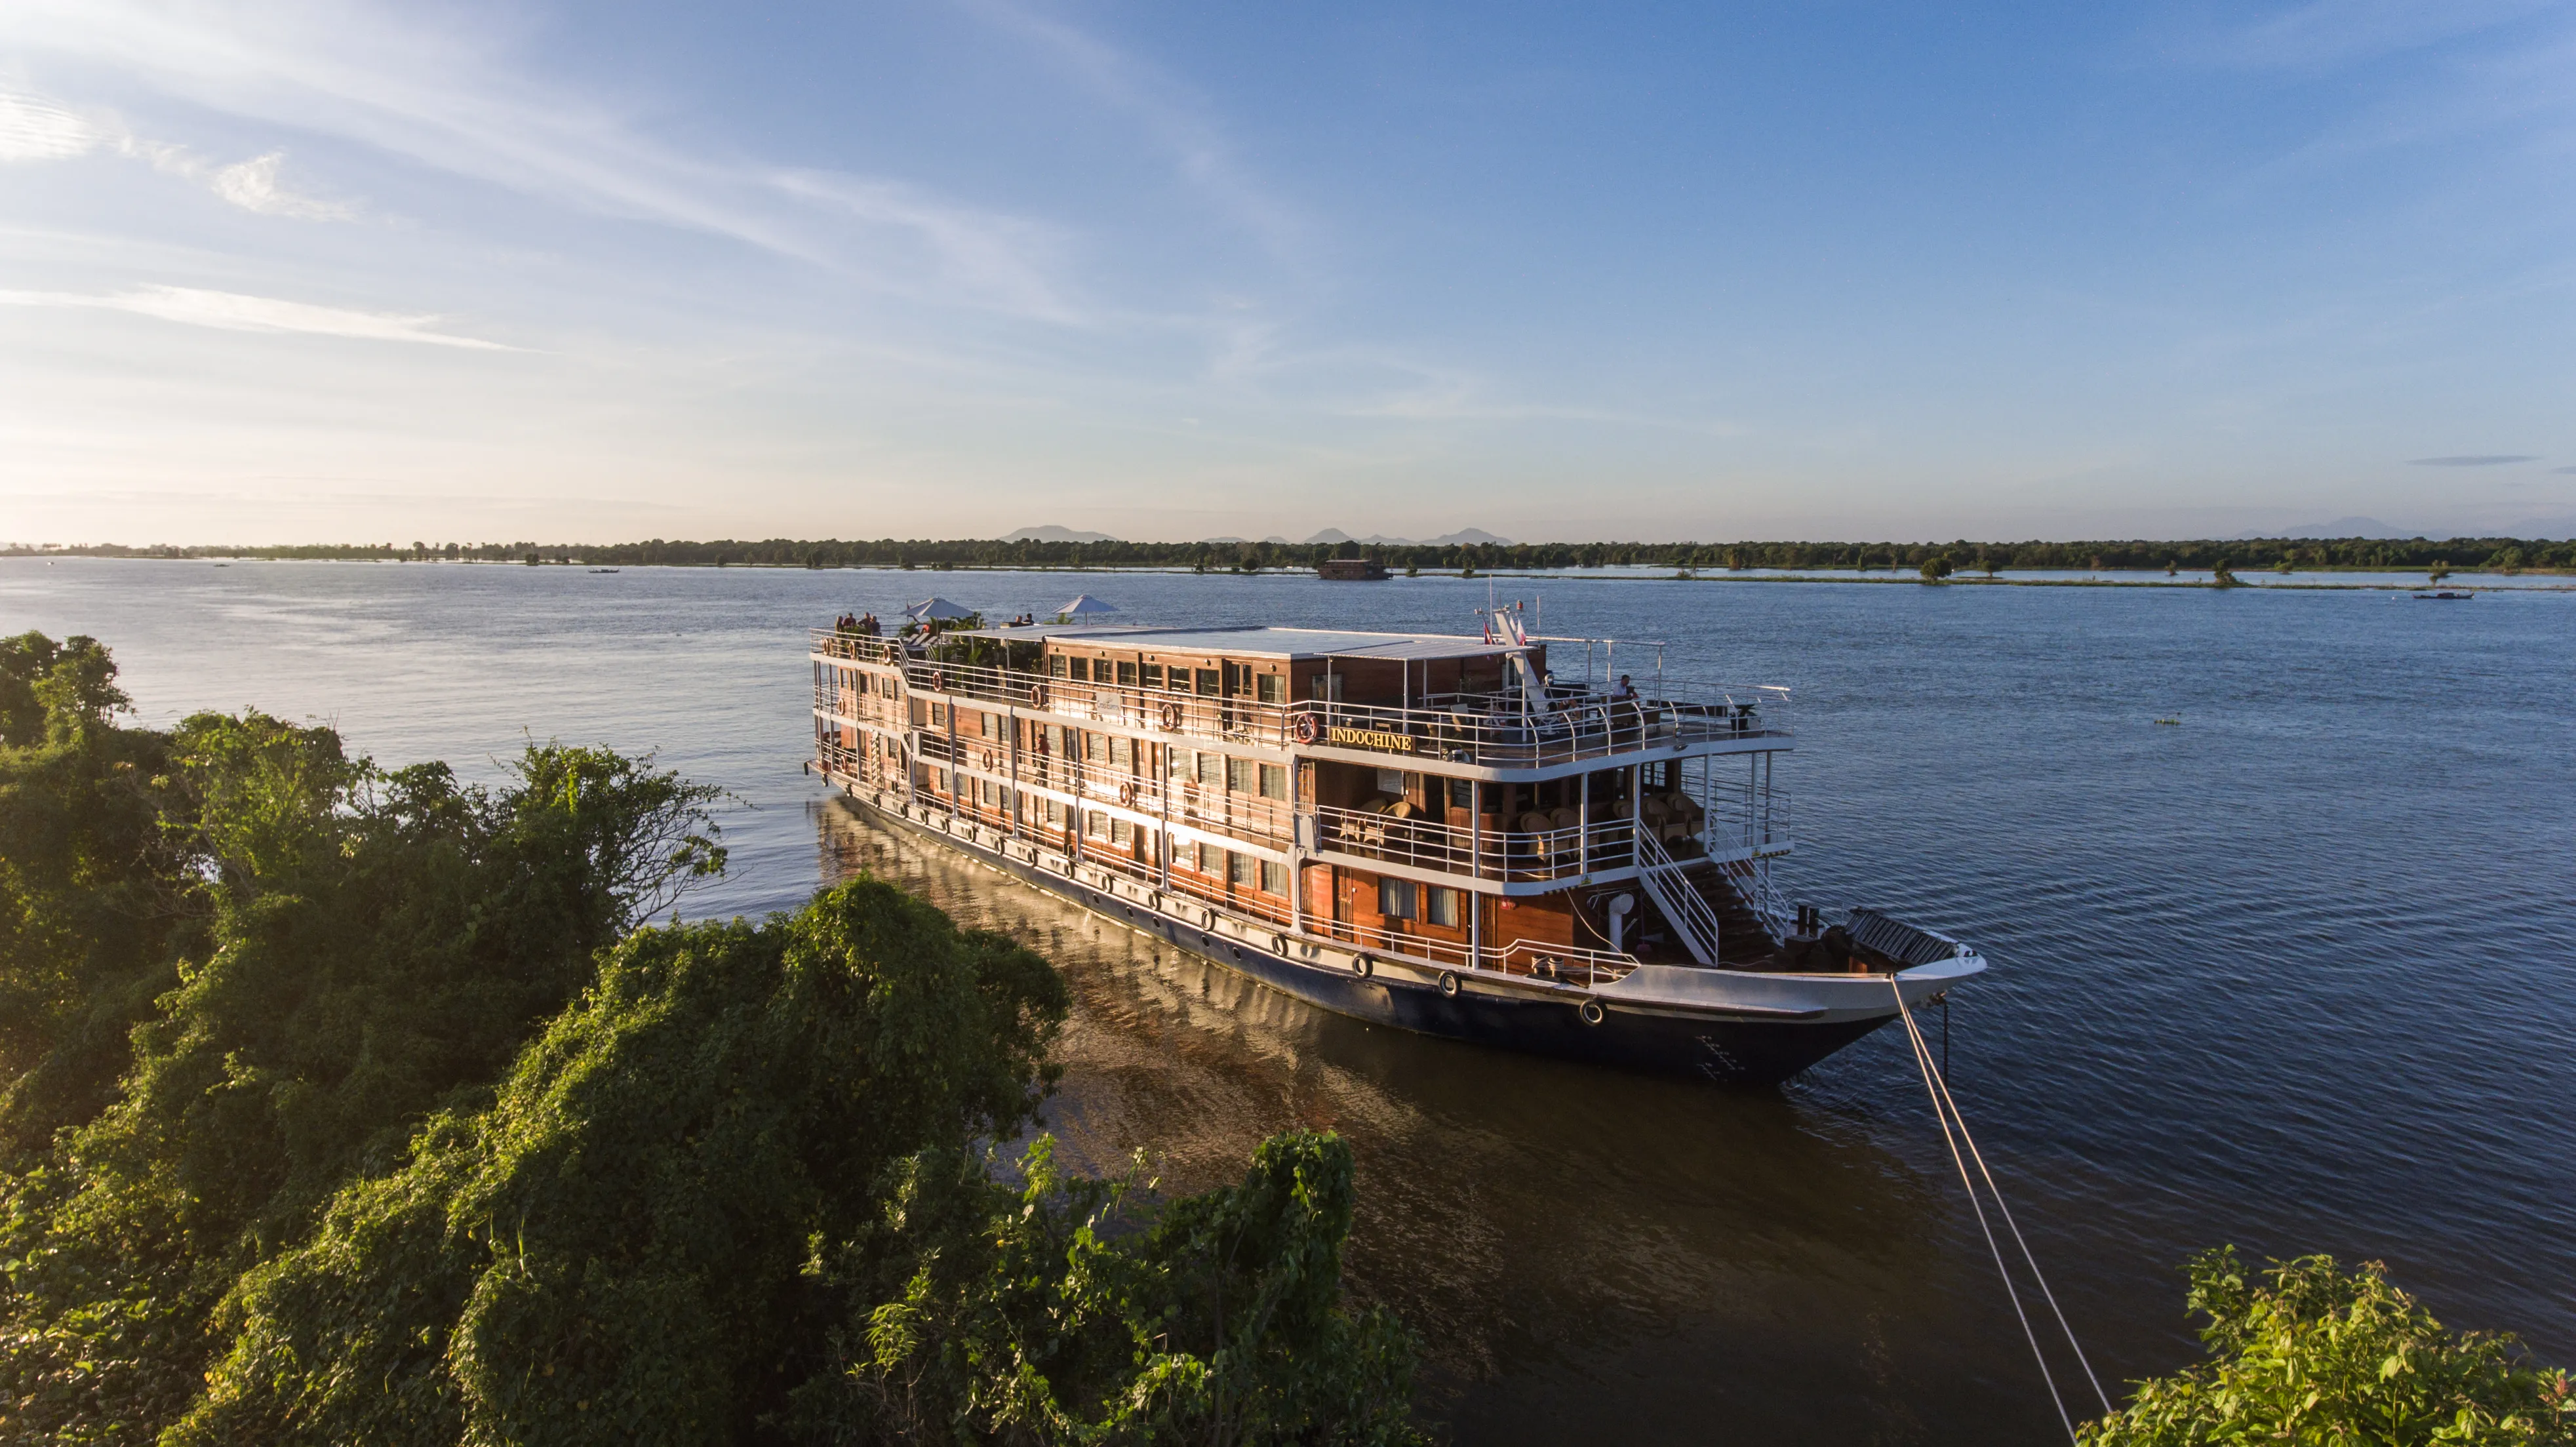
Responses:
[1431,832]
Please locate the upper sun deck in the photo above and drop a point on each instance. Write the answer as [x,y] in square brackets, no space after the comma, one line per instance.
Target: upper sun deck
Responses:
[1431,698]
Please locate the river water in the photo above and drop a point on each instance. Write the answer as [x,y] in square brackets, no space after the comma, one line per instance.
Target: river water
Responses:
[2294,973]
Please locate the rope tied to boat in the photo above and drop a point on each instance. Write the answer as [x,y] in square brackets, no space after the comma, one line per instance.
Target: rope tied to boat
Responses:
[1946,1110]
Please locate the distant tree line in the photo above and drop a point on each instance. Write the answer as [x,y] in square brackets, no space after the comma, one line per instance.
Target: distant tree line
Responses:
[1961,557]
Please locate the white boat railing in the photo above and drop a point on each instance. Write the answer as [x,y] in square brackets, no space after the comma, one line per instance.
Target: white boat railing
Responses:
[1489,729]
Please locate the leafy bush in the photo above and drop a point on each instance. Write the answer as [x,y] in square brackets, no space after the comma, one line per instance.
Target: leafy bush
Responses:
[352,1105]
[2307,1353]
[319,953]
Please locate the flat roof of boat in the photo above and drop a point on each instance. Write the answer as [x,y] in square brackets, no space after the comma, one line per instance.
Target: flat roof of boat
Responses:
[1258,641]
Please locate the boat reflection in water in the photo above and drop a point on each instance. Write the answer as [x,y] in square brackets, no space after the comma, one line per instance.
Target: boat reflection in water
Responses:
[1587,1253]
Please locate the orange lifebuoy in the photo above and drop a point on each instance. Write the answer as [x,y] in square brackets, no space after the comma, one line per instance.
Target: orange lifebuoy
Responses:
[1171,714]
[1127,795]
[938,683]
[990,760]
[1037,695]
[1308,728]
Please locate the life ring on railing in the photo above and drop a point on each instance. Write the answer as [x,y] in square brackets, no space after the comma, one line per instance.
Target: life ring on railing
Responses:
[1591,1012]
[1037,695]
[1363,966]
[1307,728]
[1170,713]
[1449,984]
[991,760]
[1127,795]
[938,681]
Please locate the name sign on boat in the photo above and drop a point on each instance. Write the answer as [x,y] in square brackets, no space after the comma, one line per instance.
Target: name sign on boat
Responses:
[1369,739]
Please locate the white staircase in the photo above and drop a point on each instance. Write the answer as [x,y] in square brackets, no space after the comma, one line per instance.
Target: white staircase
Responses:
[1683,908]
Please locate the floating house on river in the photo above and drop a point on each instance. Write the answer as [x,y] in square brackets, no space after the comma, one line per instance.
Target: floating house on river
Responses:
[1427,831]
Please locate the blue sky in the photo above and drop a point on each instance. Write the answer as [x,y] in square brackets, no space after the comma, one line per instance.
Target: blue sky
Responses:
[300,271]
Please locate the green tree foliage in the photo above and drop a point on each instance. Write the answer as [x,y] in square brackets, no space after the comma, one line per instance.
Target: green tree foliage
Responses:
[2306,1353]
[1064,1313]
[618,1248]
[342,951]
[419,1138]
[1935,568]
[88,923]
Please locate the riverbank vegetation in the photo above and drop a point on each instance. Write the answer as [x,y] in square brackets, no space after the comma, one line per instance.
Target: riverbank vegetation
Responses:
[2305,1352]
[2502,555]
[341,1103]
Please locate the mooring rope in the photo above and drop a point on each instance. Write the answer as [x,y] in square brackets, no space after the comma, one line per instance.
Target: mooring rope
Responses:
[1941,1078]
[1944,1110]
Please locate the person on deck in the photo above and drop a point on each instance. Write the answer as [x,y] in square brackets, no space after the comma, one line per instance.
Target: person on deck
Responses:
[1626,692]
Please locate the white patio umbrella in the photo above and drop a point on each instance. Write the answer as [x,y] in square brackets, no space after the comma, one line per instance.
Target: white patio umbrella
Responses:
[1084,603]
[936,607]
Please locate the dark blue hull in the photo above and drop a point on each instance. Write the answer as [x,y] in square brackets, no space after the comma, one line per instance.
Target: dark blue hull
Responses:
[1734,1051]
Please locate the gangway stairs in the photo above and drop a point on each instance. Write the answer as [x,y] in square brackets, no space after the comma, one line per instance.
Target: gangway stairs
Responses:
[1684,908]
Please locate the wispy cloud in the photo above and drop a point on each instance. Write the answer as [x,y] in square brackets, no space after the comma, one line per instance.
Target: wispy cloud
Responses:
[2326,33]
[2477,459]
[454,98]
[235,312]
[1196,144]
[253,185]
[35,129]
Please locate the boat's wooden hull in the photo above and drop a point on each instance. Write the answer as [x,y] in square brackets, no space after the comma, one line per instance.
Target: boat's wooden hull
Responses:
[1655,1037]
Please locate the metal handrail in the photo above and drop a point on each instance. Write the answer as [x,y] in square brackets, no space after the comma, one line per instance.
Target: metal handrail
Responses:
[1492,729]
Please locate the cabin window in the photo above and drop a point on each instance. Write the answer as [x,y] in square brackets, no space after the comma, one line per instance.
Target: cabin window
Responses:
[1391,781]
[1274,781]
[1126,675]
[1211,860]
[1095,747]
[1326,686]
[1122,752]
[1208,682]
[1153,675]
[1440,907]
[1271,688]
[1095,823]
[1462,793]
[939,715]
[1395,898]
[1058,813]
[1122,833]
[1056,666]
[1274,877]
[1211,771]
[1238,869]
[1241,776]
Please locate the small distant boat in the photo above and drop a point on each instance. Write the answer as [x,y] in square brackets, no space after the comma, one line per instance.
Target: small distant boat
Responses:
[2446,597]
[2173,722]
[603,570]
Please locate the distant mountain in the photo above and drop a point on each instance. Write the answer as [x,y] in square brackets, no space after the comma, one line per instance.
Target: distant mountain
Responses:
[2557,529]
[1466,537]
[1053,534]
[2355,527]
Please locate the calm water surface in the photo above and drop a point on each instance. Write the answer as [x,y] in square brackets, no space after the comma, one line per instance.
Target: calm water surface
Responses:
[2295,974]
